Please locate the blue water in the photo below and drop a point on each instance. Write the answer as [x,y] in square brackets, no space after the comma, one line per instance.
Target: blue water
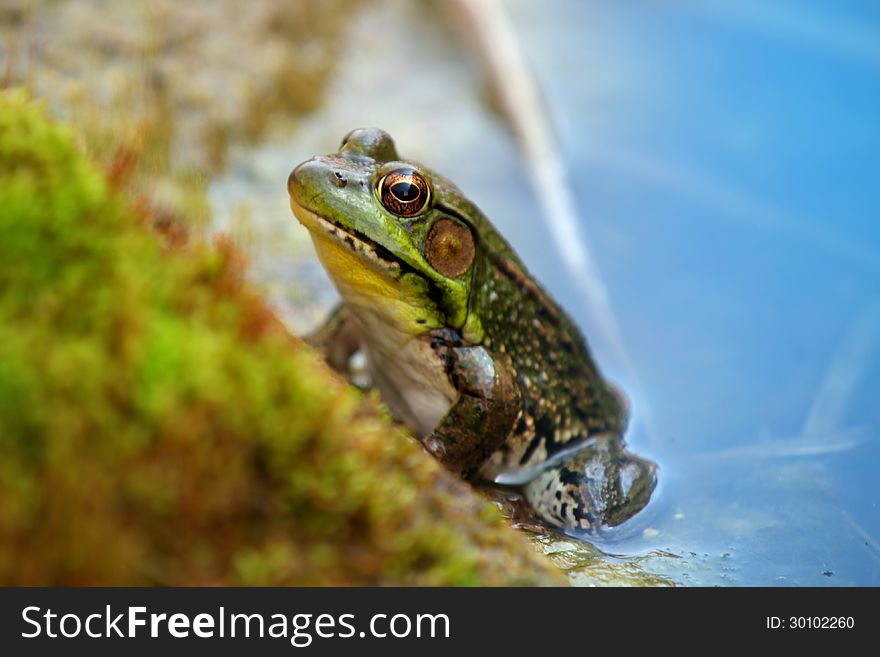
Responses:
[724,156]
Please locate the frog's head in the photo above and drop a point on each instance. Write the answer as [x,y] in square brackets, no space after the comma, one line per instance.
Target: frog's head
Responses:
[398,240]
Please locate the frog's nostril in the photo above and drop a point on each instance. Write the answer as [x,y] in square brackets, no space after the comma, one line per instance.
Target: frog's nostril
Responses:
[340,179]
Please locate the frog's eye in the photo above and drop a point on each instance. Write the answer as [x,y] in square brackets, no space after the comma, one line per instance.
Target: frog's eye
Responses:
[404,192]
[449,248]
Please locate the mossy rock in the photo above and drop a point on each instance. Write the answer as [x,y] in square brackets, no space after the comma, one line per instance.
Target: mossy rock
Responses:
[159,426]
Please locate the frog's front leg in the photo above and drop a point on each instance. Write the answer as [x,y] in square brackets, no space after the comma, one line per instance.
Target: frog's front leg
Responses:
[599,485]
[482,418]
[337,339]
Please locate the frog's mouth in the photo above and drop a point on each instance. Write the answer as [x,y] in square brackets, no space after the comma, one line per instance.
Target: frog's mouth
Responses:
[369,277]
[326,233]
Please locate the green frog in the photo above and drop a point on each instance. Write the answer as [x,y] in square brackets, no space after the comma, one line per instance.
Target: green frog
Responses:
[464,346]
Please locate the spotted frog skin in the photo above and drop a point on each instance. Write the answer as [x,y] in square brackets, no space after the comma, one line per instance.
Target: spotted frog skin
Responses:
[465,347]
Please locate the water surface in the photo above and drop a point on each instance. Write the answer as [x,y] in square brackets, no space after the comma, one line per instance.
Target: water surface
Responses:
[723,161]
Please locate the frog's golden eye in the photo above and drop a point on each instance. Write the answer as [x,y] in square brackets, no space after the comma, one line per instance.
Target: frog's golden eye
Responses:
[404,192]
[449,248]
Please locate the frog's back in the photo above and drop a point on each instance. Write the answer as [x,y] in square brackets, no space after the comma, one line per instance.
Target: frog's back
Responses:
[565,400]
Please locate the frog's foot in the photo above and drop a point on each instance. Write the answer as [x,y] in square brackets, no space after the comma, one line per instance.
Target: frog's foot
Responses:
[599,485]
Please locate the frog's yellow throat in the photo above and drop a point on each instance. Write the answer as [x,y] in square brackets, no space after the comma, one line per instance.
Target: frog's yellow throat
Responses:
[365,280]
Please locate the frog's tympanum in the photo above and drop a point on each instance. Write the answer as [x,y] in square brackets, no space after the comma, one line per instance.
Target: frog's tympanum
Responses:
[465,347]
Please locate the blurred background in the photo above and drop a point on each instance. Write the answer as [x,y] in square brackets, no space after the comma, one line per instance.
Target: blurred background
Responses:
[694,181]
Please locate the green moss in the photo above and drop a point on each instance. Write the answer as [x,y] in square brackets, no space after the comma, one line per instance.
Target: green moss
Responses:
[158,425]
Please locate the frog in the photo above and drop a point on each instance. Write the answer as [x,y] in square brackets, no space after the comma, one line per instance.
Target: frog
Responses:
[465,347]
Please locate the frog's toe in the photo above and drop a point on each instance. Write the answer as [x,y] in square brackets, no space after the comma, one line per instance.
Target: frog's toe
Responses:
[597,486]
